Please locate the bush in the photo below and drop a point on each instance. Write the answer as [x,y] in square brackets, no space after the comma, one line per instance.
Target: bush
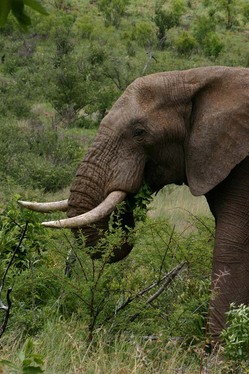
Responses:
[113,10]
[38,157]
[212,45]
[203,26]
[143,32]
[236,335]
[185,43]
[13,98]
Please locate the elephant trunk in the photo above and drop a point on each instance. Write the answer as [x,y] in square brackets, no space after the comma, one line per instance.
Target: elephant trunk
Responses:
[86,194]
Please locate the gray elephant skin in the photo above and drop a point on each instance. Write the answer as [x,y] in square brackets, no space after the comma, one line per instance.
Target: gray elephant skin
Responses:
[184,127]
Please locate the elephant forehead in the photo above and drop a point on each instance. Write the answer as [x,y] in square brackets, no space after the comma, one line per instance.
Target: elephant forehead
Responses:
[124,112]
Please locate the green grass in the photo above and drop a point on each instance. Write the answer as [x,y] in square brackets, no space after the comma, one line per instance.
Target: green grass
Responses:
[66,351]
[179,206]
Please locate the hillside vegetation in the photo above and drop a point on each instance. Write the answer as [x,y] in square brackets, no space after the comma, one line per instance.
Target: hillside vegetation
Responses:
[58,77]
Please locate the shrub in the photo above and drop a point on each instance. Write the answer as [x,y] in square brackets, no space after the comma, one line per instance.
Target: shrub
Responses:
[212,45]
[143,32]
[236,335]
[166,18]
[185,43]
[113,10]
[38,157]
[13,98]
[203,26]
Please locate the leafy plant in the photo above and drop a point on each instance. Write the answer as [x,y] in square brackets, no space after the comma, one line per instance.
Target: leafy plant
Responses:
[185,43]
[17,7]
[139,204]
[236,335]
[212,45]
[203,25]
[29,361]
[113,10]
[11,226]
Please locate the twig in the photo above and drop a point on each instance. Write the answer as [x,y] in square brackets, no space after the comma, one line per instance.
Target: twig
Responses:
[151,56]
[168,279]
[166,250]
[8,307]
[7,312]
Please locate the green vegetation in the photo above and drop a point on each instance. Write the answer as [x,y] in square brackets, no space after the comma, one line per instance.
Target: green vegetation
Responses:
[57,80]
[17,8]
[236,335]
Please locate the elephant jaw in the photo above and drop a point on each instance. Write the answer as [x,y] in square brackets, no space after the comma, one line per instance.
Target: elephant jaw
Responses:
[103,210]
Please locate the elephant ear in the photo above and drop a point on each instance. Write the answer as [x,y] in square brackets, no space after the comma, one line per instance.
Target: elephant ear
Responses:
[219,129]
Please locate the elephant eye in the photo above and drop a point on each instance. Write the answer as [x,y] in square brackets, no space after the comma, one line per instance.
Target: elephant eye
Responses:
[138,132]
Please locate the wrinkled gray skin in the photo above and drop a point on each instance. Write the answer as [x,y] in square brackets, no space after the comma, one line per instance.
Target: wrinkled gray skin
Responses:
[179,127]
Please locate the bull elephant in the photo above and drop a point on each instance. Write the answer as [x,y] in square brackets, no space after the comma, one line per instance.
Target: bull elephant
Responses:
[184,127]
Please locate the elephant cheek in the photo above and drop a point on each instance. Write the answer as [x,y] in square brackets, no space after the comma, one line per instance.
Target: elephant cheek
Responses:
[127,174]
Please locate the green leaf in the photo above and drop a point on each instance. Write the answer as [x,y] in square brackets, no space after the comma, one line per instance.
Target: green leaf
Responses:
[4,11]
[32,370]
[21,355]
[27,362]
[36,5]
[28,346]
[38,359]
[9,364]
[17,8]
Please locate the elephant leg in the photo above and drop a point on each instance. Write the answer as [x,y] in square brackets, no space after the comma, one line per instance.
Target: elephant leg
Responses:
[229,202]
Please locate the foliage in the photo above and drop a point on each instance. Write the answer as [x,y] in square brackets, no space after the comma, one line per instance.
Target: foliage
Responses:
[236,334]
[229,12]
[212,45]
[185,43]
[42,158]
[11,225]
[29,362]
[139,203]
[113,10]
[203,25]
[108,297]
[17,7]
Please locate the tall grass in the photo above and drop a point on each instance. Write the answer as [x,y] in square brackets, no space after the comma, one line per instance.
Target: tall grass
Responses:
[179,206]
[66,351]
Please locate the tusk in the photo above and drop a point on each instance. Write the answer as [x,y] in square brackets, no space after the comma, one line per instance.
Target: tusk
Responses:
[45,207]
[94,215]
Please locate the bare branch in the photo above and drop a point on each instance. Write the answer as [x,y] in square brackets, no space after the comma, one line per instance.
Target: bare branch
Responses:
[151,57]
[3,307]
[166,279]
[7,313]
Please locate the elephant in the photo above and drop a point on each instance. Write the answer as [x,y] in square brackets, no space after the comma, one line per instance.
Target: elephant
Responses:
[184,127]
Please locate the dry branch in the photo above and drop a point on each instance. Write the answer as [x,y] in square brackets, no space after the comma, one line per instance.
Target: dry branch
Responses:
[164,281]
[6,308]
